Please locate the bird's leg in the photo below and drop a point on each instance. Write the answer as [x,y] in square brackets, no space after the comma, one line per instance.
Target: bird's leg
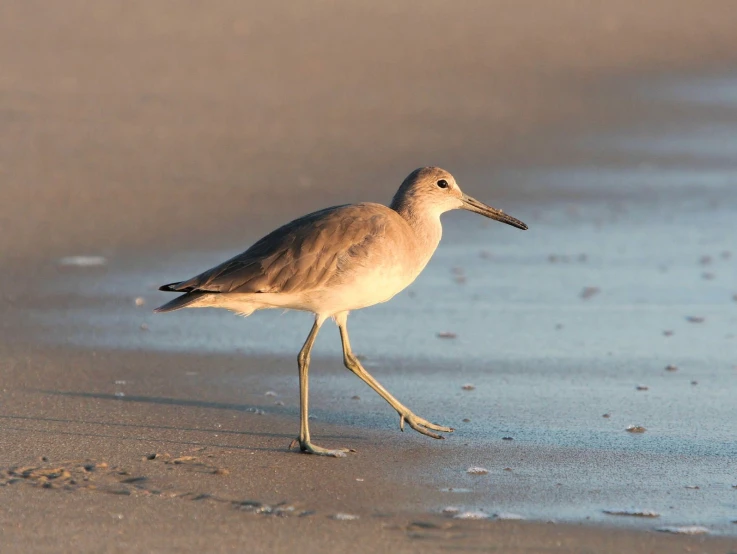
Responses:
[405,414]
[303,360]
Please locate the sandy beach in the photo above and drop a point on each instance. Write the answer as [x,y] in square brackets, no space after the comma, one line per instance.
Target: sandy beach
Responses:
[162,137]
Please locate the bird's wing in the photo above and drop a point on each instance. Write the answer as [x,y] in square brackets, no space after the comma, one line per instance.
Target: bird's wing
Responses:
[302,255]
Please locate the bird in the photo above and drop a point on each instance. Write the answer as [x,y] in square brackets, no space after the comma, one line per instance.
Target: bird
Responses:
[335,261]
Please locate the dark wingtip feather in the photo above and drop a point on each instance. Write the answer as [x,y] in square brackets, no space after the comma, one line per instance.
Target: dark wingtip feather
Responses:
[171,287]
[180,301]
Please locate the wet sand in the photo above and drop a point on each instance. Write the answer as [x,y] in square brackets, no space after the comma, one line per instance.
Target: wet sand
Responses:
[554,329]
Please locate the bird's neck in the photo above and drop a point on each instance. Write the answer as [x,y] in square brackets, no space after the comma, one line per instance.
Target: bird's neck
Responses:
[425,224]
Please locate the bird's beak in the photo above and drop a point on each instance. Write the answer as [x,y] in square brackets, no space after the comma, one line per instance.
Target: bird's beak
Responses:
[473,205]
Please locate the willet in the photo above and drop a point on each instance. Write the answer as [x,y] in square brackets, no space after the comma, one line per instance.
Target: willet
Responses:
[334,261]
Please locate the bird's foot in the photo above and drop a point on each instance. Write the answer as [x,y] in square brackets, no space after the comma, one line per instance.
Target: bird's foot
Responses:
[308,448]
[422,425]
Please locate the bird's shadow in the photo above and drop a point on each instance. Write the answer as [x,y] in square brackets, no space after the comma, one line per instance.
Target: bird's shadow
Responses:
[281,411]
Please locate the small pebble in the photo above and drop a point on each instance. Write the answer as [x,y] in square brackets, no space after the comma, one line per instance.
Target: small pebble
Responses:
[477,471]
[466,420]
[507,438]
[144,326]
[632,512]
[607,415]
[140,301]
[635,429]
[695,319]
[588,292]
[705,260]
[684,530]
[221,471]
[668,333]
[468,386]
[447,335]
[471,515]
[643,387]
[671,368]
[508,516]
[355,397]
[694,382]
[692,487]
[345,517]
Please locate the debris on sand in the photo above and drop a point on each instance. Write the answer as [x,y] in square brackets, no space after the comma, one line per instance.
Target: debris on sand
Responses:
[507,438]
[671,367]
[140,301]
[695,319]
[684,530]
[471,515]
[156,456]
[181,460]
[451,510]
[477,470]
[607,416]
[82,261]
[447,335]
[668,333]
[635,429]
[634,512]
[468,386]
[643,387]
[508,516]
[588,292]
[269,393]
[345,517]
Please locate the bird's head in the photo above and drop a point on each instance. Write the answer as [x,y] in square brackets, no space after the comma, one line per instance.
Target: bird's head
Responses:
[435,190]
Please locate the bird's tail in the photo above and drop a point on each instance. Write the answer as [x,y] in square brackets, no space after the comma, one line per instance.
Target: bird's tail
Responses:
[180,301]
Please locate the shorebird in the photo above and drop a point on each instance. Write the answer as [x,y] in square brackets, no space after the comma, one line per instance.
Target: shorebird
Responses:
[332,262]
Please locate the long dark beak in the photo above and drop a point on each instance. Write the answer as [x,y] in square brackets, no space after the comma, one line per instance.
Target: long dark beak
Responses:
[473,205]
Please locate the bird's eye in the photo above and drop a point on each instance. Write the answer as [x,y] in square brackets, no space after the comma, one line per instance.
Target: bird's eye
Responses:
[443,184]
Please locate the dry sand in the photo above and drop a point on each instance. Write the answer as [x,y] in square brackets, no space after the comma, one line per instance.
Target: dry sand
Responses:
[164,122]
[150,126]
